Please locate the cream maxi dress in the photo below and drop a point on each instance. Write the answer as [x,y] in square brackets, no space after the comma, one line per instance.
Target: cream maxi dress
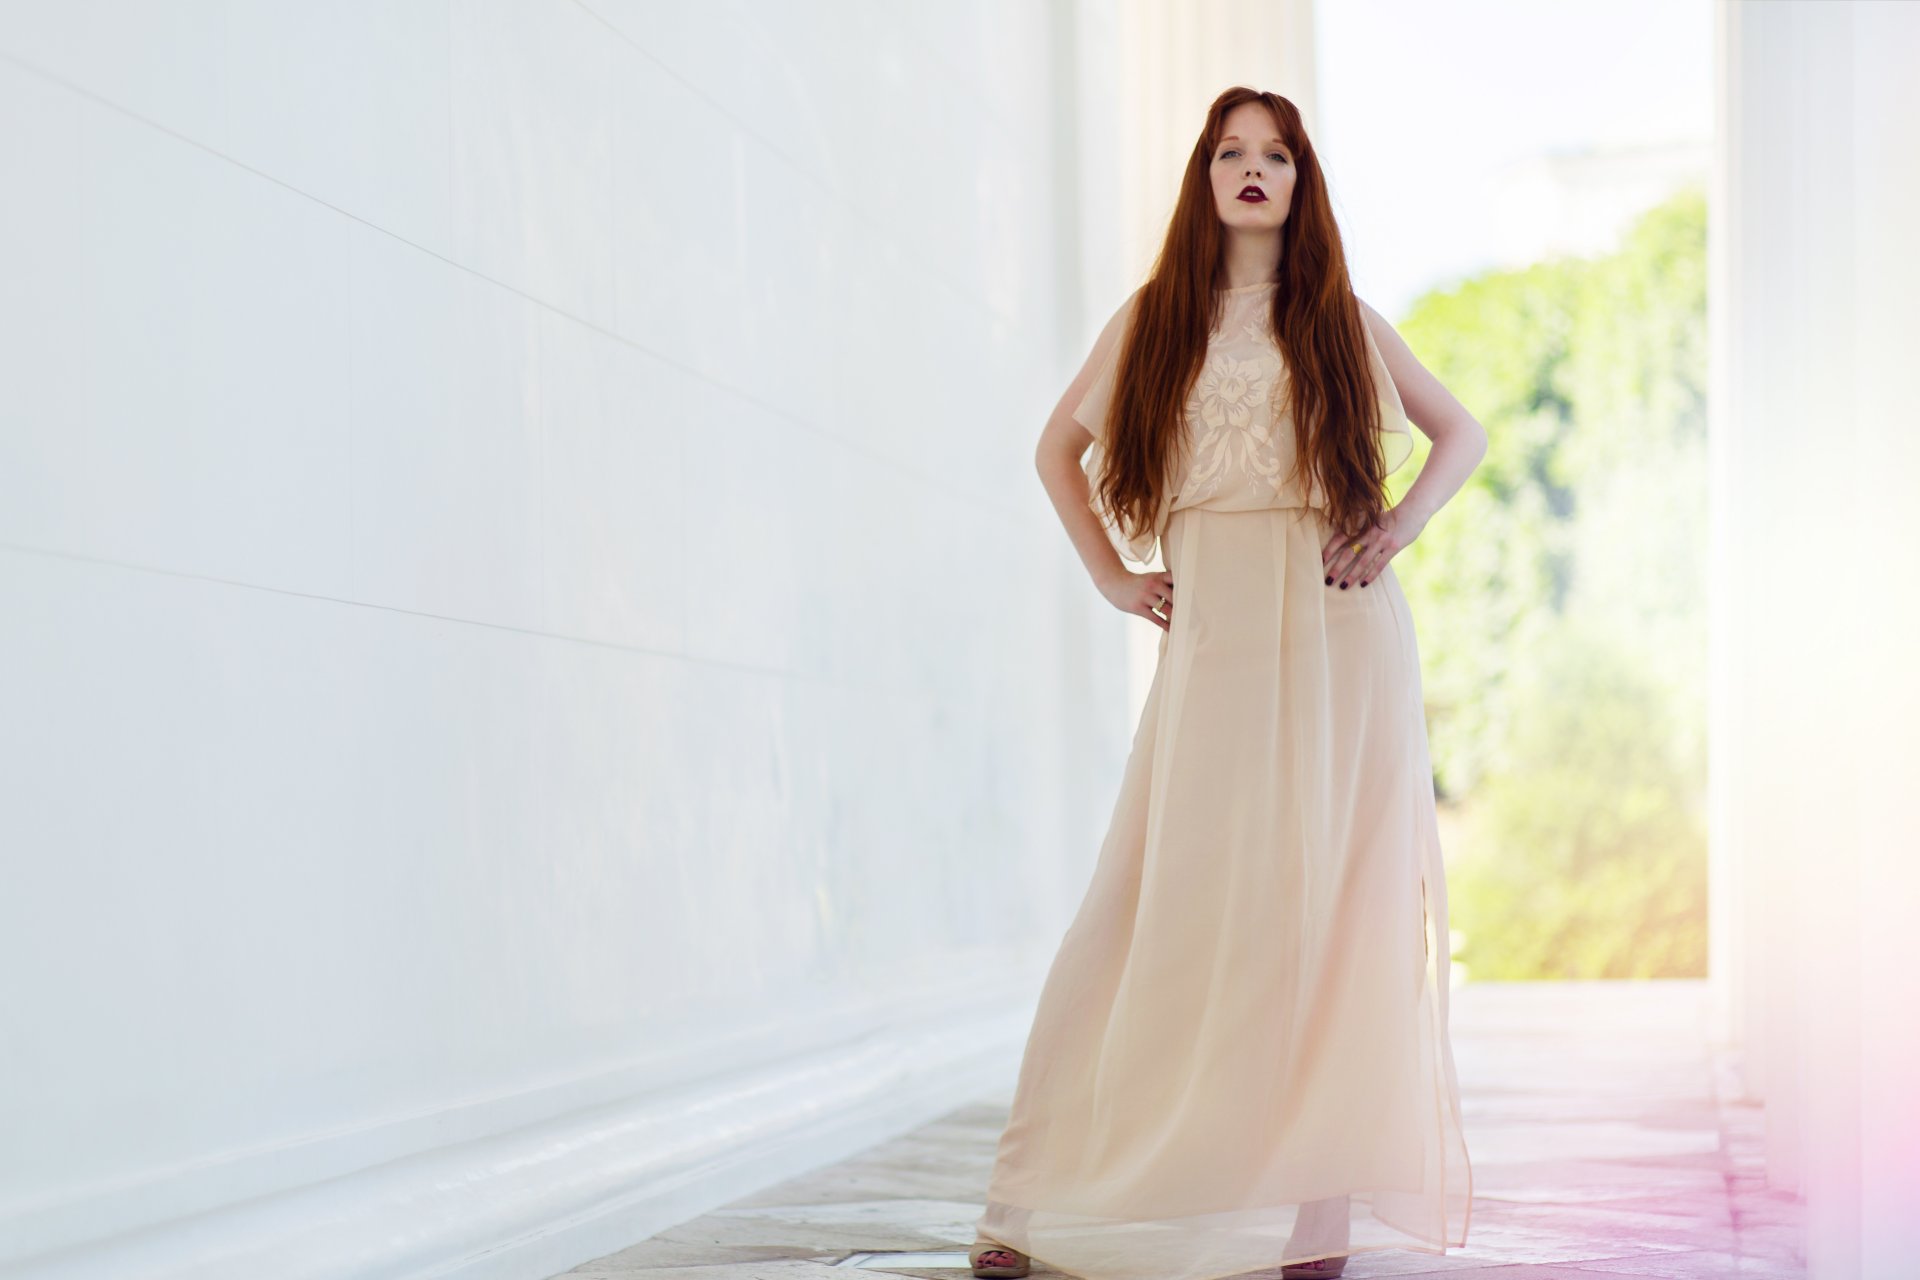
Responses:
[1240,1057]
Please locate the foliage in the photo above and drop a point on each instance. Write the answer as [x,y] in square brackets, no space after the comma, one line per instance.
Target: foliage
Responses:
[1560,597]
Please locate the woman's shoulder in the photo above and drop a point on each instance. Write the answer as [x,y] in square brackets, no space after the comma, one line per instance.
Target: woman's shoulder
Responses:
[1092,389]
[1374,321]
[1386,339]
[1106,344]
[1116,326]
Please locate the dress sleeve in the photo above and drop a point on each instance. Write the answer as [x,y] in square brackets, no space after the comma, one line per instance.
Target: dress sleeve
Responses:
[1396,434]
[1104,360]
[1092,413]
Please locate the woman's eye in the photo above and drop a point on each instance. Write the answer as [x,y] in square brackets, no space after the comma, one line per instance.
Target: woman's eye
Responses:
[1277,156]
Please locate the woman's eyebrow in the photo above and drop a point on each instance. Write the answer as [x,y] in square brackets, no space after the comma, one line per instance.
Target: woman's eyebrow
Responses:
[1234,137]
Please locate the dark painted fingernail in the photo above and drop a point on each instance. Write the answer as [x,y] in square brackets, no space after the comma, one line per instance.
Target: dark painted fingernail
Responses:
[1343,586]
[1363,582]
[1329,581]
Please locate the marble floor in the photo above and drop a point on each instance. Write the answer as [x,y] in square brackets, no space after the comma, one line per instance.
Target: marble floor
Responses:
[1601,1124]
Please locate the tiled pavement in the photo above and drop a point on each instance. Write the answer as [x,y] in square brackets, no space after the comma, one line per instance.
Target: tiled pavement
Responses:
[1598,1121]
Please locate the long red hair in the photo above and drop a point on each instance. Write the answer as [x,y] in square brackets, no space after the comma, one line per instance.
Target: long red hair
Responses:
[1316,320]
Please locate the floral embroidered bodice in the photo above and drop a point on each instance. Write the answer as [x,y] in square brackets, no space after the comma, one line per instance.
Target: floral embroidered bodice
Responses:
[1236,456]
[1239,440]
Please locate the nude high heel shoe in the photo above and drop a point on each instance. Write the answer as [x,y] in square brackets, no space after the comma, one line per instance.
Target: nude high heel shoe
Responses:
[1021,1265]
[1320,1224]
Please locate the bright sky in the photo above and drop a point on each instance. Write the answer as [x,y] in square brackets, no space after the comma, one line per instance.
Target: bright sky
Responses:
[1424,104]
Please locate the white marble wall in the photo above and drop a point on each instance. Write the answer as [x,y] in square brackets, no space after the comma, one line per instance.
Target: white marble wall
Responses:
[1816,605]
[537,673]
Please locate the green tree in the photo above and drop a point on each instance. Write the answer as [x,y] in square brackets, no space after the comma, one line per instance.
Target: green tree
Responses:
[1560,600]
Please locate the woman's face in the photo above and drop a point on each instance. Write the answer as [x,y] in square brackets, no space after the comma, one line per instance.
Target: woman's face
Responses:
[1251,157]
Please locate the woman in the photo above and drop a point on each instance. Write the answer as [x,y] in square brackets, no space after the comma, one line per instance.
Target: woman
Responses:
[1240,1055]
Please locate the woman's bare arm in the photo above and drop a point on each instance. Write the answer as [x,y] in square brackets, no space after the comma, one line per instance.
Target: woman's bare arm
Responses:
[1459,441]
[1056,457]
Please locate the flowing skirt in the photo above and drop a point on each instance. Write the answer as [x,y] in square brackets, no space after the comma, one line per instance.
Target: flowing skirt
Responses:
[1240,1056]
